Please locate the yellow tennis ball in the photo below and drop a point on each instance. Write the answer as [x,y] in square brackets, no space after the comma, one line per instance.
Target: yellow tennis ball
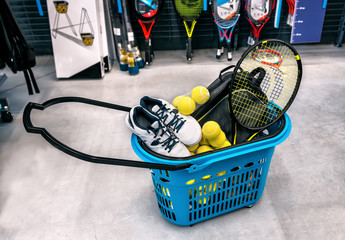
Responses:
[211,130]
[176,101]
[203,149]
[204,140]
[193,148]
[200,94]
[219,140]
[225,144]
[186,105]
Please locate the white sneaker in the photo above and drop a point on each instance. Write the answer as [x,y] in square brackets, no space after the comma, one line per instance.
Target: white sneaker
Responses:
[154,134]
[185,128]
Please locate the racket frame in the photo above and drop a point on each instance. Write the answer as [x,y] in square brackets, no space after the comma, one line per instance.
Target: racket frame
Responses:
[255,25]
[189,26]
[146,24]
[238,68]
[223,30]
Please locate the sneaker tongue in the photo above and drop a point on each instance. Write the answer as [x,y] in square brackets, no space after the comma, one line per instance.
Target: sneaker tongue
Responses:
[155,108]
[155,125]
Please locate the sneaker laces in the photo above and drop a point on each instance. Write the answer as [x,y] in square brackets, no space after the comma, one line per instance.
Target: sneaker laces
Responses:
[175,123]
[168,142]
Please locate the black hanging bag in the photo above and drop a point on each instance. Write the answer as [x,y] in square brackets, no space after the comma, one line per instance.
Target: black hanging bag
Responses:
[15,52]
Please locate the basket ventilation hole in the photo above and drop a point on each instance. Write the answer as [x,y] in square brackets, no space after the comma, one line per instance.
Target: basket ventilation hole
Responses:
[235,169]
[220,173]
[249,164]
[164,180]
[191,181]
[206,177]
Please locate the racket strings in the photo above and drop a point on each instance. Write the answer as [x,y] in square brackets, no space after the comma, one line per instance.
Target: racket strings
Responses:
[248,109]
[253,108]
[147,8]
[226,14]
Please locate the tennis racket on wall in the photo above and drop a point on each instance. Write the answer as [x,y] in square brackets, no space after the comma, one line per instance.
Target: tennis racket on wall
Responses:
[291,4]
[189,11]
[257,13]
[116,20]
[147,12]
[226,14]
[133,67]
[264,84]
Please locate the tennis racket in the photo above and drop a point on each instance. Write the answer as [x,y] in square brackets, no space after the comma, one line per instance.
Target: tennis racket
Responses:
[147,12]
[189,11]
[226,14]
[133,67]
[264,84]
[291,4]
[116,20]
[257,13]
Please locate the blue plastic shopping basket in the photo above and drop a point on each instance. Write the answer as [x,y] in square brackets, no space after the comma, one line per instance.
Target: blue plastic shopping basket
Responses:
[215,183]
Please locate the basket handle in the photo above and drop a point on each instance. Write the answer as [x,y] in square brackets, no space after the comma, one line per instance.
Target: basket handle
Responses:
[225,70]
[29,127]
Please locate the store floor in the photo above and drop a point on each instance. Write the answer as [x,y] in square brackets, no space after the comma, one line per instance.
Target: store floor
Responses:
[46,194]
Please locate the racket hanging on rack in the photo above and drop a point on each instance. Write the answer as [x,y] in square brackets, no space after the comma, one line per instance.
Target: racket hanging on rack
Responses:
[264,84]
[147,12]
[116,20]
[226,14]
[291,4]
[132,39]
[257,13]
[133,67]
[189,11]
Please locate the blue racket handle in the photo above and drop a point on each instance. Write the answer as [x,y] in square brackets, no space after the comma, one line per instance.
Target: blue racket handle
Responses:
[278,11]
[39,6]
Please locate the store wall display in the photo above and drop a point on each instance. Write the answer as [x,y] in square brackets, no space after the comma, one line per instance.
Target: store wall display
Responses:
[169,32]
[79,45]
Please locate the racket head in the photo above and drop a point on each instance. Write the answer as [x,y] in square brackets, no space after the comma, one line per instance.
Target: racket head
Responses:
[189,10]
[257,99]
[257,11]
[226,13]
[147,10]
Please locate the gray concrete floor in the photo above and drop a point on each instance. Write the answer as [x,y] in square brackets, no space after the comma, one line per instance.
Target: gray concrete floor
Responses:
[46,194]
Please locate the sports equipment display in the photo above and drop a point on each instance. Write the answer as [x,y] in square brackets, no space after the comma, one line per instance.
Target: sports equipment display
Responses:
[154,134]
[257,13]
[226,15]
[147,12]
[189,11]
[200,94]
[264,84]
[185,128]
[186,105]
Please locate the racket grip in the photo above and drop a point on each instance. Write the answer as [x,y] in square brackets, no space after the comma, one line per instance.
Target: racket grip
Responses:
[229,52]
[220,49]
[147,52]
[189,49]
